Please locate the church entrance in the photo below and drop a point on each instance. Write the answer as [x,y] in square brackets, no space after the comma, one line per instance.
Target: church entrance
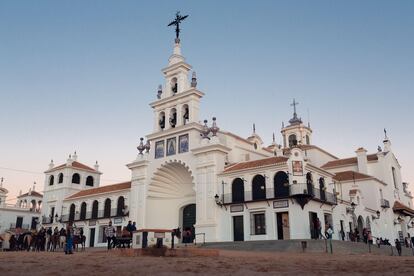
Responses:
[189,220]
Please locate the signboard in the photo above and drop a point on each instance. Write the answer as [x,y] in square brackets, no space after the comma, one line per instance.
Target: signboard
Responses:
[236,208]
[92,222]
[280,204]
[117,220]
[297,168]
[159,235]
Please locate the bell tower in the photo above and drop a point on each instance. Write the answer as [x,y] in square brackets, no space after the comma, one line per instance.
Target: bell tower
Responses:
[296,133]
[178,100]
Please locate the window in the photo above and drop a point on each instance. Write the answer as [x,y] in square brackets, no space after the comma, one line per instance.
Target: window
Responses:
[186,114]
[173,118]
[237,190]
[307,140]
[95,207]
[83,211]
[120,206]
[281,184]
[89,181]
[60,178]
[107,208]
[183,143]
[174,85]
[159,149]
[51,180]
[394,177]
[76,178]
[292,140]
[161,121]
[72,212]
[259,187]
[258,223]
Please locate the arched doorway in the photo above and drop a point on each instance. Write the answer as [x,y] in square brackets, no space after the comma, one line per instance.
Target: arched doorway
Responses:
[360,226]
[237,190]
[189,220]
[171,190]
[281,185]
[259,187]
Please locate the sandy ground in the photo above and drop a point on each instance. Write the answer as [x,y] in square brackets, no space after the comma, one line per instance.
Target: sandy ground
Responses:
[228,263]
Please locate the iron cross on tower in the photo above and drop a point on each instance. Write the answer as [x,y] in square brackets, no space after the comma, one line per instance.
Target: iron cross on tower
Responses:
[294,104]
[176,22]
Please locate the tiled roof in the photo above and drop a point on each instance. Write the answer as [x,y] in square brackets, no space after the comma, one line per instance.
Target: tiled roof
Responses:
[255,164]
[101,190]
[34,193]
[75,164]
[350,175]
[348,161]
[399,207]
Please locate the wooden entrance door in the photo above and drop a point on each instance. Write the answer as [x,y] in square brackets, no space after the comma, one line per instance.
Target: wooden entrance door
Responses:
[238,228]
[92,237]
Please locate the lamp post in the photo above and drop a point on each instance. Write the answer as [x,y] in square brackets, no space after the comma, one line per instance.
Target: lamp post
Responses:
[378,215]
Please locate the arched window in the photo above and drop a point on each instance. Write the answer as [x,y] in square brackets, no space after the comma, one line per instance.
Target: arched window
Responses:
[322,188]
[174,85]
[60,178]
[293,141]
[161,120]
[237,190]
[307,140]
[89,181]
[258,187]
[186,114]
[281,184]
[83,211]
[33,204]
[72,212]
[394,177]
[76,178]
[120,206]
[95,206]
[309,183]
[107,208]
[173,117]
[51,180]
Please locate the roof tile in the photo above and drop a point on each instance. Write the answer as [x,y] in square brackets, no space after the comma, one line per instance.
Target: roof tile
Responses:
[255,164]
[101,190]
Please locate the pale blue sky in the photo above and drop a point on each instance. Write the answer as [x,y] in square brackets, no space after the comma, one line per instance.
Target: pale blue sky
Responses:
[78,75]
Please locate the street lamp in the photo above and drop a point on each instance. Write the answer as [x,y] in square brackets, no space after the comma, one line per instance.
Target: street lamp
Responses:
[378,215]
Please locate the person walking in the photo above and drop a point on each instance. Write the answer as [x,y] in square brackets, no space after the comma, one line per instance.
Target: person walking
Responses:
[110,233]
[398,246]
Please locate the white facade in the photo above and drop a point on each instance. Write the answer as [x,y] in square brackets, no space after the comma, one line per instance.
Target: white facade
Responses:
[196,176]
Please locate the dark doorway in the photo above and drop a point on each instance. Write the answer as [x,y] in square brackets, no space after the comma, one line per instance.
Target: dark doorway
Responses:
[342,230]
[309,184]
[144,239]
[282,224]
[322,188]
[238,228]
[281,185]
[312,223]
[189,220]
[19,222]
[34,223]
[259,187]
[92,237]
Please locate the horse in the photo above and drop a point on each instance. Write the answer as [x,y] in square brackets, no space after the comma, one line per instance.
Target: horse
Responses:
[54,242]
[79,240]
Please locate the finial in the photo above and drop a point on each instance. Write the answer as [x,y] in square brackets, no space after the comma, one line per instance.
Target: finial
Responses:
[295,119]
[1,182]
[379,149]
[34,185]
[205,131]
[214,128]
[147,146]
[385,134]
[194,80]
[141,146]
[274,138]
[159,93]
[254,128]
[283,124]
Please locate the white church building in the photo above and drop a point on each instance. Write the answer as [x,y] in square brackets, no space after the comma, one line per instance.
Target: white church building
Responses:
[224,187]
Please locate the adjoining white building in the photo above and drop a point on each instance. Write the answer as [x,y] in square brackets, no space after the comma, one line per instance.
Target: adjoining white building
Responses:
[24,215]
[194,175]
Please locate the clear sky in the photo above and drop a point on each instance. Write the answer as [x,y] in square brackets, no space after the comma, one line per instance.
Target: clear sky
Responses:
[79,75]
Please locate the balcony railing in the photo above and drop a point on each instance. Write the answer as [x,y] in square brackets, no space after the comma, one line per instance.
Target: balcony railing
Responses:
[290,191]
[385,203]
[90,216]
[23,226]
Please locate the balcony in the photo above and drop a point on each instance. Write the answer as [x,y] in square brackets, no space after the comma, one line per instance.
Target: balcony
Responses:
[385,203]
[23,226]
[89,216]
[294,190]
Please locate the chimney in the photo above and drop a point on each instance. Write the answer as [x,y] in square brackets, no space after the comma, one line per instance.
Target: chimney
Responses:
[362,160]
[51,165]
[75,156]
[96,166]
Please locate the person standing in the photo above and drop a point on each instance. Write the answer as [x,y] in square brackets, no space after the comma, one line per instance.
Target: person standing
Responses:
[129,228]
[110,233]
[69,238]
[318,228]
[398,246]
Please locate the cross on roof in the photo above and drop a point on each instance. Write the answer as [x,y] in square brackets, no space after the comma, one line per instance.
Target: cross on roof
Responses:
[294,104]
